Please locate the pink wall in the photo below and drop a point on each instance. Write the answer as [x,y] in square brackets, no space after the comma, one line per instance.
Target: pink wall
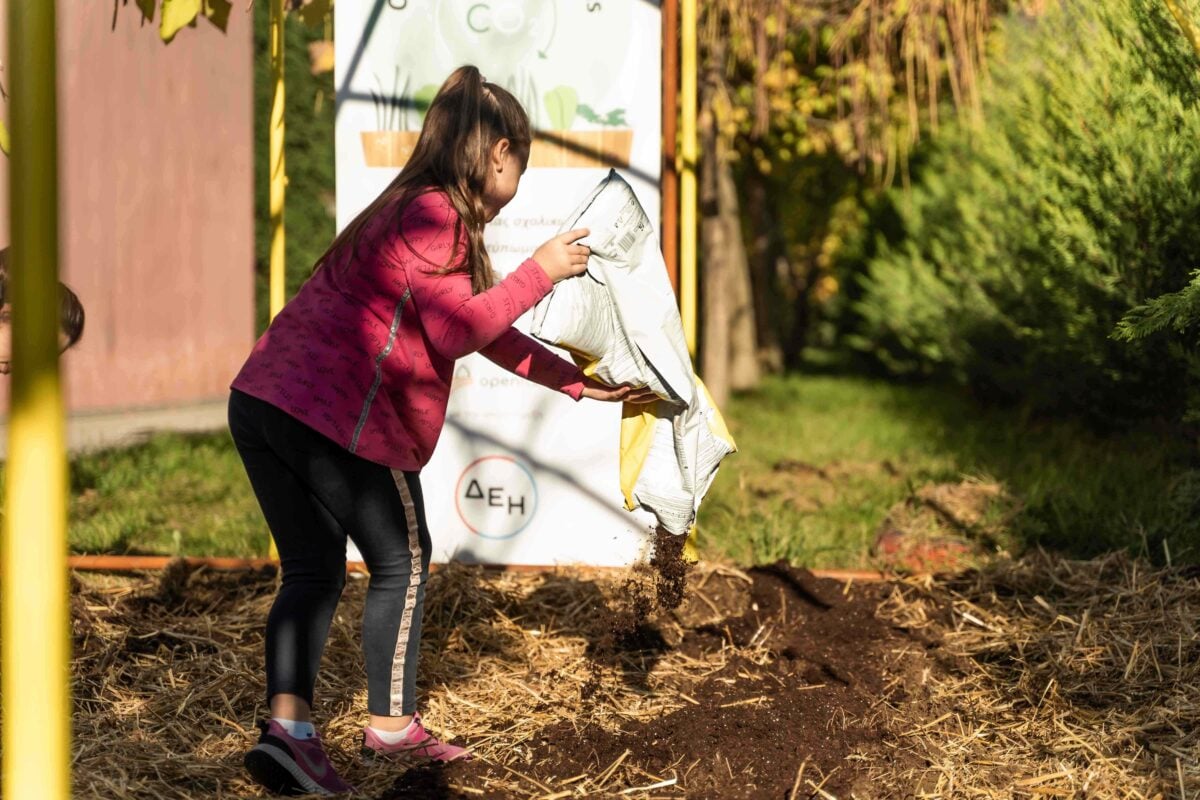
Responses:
[156,204]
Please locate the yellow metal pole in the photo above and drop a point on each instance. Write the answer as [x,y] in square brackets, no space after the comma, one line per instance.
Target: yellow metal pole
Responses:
[278,175]
[277,167]
[690,151]
[34,629]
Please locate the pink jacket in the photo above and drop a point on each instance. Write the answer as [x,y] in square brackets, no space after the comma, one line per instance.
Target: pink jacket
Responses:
[365,354]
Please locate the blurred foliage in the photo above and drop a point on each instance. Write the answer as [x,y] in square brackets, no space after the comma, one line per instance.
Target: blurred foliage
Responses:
[309,220]
[1027,239]
[860,78]
[822,104]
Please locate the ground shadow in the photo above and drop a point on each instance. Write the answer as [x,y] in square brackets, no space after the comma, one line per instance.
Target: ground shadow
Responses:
[460,597]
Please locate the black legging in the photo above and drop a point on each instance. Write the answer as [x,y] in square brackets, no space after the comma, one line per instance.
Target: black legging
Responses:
[313,494]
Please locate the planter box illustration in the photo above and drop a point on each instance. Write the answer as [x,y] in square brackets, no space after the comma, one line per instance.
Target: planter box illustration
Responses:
[599,148]
[388,148]
[602,148]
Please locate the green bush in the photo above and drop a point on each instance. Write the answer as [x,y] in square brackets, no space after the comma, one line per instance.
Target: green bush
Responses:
[1026,239]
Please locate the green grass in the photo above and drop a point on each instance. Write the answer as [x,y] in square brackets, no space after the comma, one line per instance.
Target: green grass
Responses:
[1082,494]
[174,495]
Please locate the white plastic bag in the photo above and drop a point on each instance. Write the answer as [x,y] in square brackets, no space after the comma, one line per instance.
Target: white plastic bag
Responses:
[621,320]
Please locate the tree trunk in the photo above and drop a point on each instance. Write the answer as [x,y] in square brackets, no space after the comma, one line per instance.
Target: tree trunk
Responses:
[714,250]
[765,250]
[744,370]
[728,335]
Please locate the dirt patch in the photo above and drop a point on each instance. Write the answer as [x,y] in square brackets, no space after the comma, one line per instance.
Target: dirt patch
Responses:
[947,527]
[749,676]
[808,487]
[800,678]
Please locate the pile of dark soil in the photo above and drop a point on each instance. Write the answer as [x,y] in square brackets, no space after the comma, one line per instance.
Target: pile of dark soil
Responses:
[794,701]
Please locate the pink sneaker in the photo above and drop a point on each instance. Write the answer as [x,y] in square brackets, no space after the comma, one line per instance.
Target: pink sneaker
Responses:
[292,766]
[419,743]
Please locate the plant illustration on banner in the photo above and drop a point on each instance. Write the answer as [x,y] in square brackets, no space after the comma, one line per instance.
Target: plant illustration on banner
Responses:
[514,43]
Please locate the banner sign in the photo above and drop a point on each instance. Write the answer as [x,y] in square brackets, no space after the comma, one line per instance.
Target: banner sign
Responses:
[521,475]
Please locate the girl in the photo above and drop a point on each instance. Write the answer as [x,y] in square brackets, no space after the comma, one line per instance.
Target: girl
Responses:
[342,400]
[70,317]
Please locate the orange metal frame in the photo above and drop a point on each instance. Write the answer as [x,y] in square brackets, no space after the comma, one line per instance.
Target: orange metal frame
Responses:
[143,563]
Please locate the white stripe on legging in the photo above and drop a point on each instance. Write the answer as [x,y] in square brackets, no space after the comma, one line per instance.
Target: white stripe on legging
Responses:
[410,598]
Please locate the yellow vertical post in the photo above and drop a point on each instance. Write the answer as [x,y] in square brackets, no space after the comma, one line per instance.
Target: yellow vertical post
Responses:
[34,630]
[689,151]
[278,174]
[278,170]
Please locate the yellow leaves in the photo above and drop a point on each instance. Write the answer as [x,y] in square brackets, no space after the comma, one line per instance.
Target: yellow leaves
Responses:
[176,15]
[320,56]
[851,78]
[826,288]
[179,14]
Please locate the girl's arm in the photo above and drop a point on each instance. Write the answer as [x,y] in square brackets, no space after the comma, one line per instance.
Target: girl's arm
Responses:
[456,321]
[524,356]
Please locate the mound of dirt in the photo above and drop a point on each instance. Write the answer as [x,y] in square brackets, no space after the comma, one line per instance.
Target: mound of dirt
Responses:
[801,669]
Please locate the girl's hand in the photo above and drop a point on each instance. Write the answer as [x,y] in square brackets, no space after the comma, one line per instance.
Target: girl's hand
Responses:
[561,258]
[595,390]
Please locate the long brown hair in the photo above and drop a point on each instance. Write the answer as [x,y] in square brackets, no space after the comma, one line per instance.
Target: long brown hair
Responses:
[464,121]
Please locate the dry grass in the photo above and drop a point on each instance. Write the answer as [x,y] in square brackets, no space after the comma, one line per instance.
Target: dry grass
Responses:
[1045,678]
[169,678]
[1065,679]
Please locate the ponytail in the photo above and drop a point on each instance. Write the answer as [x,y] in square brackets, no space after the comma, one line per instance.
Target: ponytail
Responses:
[465,120]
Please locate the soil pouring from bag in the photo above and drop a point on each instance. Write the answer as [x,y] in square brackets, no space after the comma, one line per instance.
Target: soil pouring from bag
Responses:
[659,587]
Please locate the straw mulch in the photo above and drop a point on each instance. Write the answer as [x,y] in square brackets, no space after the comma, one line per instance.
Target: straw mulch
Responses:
[553,679]
[1058,679]
[1036,678]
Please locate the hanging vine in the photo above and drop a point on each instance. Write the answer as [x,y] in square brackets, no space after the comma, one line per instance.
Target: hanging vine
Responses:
[865,78]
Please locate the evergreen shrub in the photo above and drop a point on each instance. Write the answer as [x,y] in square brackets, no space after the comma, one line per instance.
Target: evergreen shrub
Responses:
[1047,254]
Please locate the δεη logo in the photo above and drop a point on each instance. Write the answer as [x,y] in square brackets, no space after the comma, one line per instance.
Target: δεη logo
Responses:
[496,497]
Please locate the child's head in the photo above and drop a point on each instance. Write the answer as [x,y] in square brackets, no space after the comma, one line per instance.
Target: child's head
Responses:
[474,145]
[70,317]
